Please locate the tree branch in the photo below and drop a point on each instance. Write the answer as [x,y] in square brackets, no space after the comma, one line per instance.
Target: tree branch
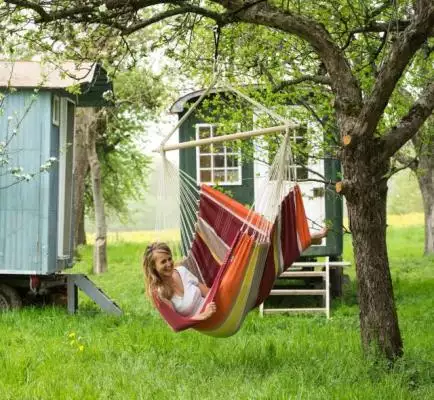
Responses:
[404,159]
[377,11]
[218,18]
[404,48]
[397,26]
[343,83]
[323,80]
[48,17]
[81,13]
[410,123]
[375,27]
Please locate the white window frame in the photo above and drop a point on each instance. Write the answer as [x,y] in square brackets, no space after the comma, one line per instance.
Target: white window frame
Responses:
[296,167]
[56,110]
[225,168]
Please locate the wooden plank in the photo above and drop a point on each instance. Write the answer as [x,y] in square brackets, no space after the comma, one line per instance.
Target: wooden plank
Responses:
[298,292]
[320,264]
[302,274]
[291,310]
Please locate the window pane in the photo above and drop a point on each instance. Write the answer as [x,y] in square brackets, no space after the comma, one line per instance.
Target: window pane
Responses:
[205,176]
[301,150]
[204,132]
[205,149]
[302,173]
[233,175]
[218,148]
[219,161]
[232,161]
[219,176]
[205,161]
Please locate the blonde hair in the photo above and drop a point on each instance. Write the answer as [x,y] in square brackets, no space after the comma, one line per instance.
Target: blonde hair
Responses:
[153,282]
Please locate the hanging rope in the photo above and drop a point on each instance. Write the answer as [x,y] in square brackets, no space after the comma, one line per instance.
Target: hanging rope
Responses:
[216,32]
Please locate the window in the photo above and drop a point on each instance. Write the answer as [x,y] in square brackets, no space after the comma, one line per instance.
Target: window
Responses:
[55,109]
[217,164]
[299,145]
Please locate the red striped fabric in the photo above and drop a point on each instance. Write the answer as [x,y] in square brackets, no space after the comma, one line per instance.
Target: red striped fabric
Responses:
[226,217]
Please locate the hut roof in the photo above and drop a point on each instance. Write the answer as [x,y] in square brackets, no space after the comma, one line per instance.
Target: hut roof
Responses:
[91,77]
[29,74]
[179,104]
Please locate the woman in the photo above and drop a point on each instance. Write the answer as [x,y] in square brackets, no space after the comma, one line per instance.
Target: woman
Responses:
[176,286]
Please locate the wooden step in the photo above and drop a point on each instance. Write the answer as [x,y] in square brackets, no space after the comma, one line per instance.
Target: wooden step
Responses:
[304,264]
[302,274]
[292,310]
[298,292]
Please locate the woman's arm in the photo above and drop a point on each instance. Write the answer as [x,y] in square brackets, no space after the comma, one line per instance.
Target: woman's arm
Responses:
[203,289]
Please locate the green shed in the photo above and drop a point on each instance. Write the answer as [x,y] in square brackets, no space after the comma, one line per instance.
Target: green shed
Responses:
[223,166]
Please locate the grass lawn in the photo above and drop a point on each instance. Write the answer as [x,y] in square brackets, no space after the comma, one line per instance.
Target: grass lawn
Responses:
[48,354]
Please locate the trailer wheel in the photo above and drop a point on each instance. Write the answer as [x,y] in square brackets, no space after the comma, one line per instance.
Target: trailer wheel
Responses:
[9,298]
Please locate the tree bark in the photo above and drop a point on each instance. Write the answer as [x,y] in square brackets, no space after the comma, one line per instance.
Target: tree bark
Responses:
[81,167]
[365,189]
[425,177]
[100,246]
[428,205]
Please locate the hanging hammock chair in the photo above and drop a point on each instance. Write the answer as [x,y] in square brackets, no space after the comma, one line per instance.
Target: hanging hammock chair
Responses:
[238,252]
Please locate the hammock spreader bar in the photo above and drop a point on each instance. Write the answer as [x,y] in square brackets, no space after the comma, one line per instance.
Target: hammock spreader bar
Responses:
[224,138]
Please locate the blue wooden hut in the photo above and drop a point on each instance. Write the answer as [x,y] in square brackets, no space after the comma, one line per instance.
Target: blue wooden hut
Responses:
[37,120]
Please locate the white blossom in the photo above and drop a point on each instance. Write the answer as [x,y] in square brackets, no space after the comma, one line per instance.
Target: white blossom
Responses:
[107,95]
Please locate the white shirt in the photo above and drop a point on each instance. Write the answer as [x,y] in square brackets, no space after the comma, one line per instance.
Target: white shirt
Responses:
[192,301]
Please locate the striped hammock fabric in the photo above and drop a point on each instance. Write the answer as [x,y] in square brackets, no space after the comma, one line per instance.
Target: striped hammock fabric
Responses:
[239,255]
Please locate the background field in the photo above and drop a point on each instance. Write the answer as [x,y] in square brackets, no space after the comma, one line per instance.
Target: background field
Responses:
[47,354]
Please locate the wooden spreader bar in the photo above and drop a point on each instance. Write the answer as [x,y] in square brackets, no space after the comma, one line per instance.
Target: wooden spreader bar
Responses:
[225,138]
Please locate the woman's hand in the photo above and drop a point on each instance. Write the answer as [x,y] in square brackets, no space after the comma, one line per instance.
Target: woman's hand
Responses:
[210,309]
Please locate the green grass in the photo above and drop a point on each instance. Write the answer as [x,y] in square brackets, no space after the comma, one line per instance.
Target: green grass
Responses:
[48,354]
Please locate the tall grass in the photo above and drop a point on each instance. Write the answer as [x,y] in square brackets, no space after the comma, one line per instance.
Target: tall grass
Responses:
[48,354]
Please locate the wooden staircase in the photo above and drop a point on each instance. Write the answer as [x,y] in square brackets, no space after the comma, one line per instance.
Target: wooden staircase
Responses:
[82,282]
[297,272]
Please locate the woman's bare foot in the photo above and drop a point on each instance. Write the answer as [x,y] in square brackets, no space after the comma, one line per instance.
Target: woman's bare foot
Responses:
[318,236]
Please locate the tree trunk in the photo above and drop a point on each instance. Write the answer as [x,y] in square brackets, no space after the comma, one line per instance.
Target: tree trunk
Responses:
[100,247]
[425,177]
[366,194]
[81,230]
[81,167]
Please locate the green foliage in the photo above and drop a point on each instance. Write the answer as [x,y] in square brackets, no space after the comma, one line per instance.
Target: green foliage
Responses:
[45,353]
[124,166]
